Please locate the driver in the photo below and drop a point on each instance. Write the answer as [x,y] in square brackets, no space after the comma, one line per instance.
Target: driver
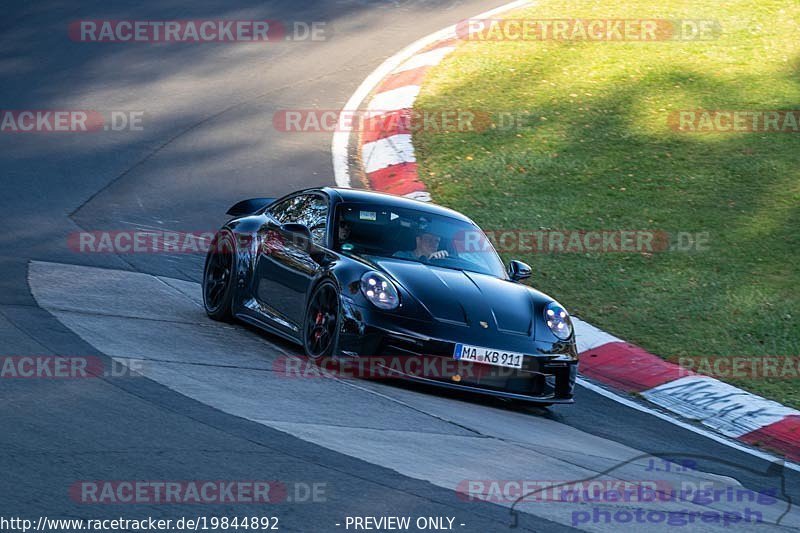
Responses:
[427,248]
[343,233]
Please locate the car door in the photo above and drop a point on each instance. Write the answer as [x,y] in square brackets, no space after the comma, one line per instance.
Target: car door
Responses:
[284,265]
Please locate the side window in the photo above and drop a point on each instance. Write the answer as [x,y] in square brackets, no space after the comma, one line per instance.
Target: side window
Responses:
[314,214]
[282,210]
[310,210]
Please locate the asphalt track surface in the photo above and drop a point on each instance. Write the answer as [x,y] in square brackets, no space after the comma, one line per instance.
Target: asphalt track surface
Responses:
[209,405]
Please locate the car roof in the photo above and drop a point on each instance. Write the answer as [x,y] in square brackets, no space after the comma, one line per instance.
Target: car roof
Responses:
[391,200]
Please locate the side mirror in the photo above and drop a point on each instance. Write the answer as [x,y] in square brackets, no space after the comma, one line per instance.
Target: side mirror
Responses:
[518,270]
[300,234]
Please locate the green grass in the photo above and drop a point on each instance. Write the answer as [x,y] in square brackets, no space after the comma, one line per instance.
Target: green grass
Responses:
[595,152]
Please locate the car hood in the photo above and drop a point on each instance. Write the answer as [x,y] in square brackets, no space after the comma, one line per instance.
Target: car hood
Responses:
[467,298]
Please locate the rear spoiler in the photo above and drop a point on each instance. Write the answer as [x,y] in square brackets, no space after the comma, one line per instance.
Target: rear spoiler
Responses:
[249,207]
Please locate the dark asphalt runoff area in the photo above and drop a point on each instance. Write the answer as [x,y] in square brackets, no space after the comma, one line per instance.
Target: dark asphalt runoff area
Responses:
[207,140]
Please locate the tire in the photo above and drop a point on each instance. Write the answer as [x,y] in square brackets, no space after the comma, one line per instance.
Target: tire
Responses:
[321,324]
[219,278]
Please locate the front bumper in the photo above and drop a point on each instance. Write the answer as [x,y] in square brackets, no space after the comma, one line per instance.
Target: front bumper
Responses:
[547,375]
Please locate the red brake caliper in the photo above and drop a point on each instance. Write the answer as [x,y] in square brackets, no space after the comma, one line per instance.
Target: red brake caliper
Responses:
[318,322]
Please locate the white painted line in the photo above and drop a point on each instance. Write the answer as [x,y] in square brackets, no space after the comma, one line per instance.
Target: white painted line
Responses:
[386,152]
[689,427]
[588,336]
[394,100]
[341,137]
[728,409]
[425,59]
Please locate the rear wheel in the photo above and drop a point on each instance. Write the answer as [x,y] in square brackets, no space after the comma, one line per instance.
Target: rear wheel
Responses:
[218,278]
[321,328]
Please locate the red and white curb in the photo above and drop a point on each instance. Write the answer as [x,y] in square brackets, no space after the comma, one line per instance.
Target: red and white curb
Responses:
[386,155]
[727,409]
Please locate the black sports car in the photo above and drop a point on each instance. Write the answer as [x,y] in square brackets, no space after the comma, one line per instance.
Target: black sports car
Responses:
[354,275]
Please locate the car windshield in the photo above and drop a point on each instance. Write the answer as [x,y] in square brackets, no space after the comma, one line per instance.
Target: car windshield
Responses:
[414,235]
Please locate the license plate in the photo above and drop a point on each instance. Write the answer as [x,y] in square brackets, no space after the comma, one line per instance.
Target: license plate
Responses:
[489,356]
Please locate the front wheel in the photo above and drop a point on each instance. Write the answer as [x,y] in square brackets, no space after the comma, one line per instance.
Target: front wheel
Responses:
[321,327]
[218,278]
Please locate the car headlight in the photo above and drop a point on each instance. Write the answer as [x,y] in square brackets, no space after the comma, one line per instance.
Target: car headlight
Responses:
[379,290]
[558,320]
